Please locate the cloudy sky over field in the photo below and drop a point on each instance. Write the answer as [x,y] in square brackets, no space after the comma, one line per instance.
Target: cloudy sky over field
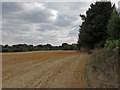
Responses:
[41,23]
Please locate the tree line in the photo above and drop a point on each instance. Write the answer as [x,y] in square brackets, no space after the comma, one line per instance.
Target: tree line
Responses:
[100,26]
[25,47]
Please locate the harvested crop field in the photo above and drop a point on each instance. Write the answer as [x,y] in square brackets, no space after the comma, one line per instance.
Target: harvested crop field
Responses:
[44,69]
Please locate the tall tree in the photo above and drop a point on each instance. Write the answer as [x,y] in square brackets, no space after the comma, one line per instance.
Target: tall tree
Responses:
[94,27]
[114,26]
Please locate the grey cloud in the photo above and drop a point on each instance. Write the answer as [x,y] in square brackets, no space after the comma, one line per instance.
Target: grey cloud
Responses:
[22,24]
[11,7]
[36,16]
[69,8]
[15,11]
[46,27]
[63,21]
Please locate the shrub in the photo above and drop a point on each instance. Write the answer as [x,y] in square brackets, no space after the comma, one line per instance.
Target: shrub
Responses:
[111,44]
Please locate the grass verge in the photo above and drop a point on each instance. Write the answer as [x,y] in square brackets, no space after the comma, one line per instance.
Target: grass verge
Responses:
[102,69]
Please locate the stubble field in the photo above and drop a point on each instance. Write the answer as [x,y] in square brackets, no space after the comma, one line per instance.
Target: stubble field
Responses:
[44,69]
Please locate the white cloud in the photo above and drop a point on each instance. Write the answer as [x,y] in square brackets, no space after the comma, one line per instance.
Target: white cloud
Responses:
[55,14]
[39,5]
[42,23]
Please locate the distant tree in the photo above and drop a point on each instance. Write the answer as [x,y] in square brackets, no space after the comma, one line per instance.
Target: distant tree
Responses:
[94,27]
[5,50]
[30,47]
[40,47]
[6,46]
[19,48]
[25,47]
[73,47]
[114,26]
[65,46]
[1,47]
[48,46]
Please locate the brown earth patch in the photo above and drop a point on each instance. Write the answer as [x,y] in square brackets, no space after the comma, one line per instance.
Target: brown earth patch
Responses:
[44,69]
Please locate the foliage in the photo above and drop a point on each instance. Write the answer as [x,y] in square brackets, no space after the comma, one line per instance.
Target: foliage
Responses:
[65,46]
[113,41]
[111,44]
[114,26]
[25,47]
[94,27]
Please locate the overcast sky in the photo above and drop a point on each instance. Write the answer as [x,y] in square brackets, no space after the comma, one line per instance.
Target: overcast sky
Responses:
[41,23]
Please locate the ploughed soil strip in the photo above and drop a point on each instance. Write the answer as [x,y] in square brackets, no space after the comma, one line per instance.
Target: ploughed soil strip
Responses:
[44,69]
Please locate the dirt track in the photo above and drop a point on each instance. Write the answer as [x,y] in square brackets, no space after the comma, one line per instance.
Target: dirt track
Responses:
[44,69]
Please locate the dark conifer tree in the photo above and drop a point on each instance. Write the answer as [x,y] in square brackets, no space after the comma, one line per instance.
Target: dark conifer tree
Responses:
[93,30]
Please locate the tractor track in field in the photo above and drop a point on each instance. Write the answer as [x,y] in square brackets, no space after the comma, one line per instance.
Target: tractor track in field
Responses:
[44,69]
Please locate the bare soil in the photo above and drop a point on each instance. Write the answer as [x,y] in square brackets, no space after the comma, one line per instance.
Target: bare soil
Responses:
[44,69]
